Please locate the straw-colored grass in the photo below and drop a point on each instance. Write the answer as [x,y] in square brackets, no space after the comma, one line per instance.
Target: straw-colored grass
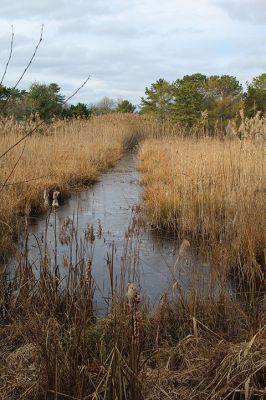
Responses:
[60,156]
[53,346]
[209,190]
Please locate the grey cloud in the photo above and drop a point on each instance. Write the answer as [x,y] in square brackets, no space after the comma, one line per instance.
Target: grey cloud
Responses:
[61,9]
[123,48]
[249,62]
[116,25]
[244,10]
[19,40]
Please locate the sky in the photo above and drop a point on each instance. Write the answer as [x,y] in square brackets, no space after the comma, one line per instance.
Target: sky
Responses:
[126,45]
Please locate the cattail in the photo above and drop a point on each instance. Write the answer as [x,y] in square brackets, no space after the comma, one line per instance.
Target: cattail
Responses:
[89,234]
[132,292]
[182,252]
[46,198]
[133,296]
[183,249]
[55,202]
[67,231]
[163,303]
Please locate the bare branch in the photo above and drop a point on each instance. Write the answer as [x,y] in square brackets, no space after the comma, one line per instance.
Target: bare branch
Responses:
[10,55]
[74,94]
[29,63]
[26,181]
[14,167]
[27,66]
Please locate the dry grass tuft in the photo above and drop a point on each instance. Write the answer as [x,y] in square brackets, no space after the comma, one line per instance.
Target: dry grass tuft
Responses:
[210,370]
[21,373]
[249,128]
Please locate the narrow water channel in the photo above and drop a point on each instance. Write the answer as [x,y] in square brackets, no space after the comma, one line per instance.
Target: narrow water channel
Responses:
[109,211]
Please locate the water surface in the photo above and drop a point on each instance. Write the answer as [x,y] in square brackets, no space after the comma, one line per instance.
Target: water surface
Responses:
[109,210]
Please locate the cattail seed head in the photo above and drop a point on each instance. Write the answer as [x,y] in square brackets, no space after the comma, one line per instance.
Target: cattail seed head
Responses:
[183,249]
[132,292]
[46,198]
[55,202]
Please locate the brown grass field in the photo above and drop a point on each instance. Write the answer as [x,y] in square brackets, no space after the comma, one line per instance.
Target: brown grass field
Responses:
[212,192]
[54,345]
[62,156]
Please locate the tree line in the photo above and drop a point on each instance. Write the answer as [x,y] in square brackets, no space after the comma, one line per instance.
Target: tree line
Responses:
[185,101]
[196,96]
[45,101]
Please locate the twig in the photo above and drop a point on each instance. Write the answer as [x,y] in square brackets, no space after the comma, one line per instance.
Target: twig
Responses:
[29,63]
[14,167]
[4,223]
[64,395]
[26,181]
[10,55]
[74,94]
[27,66]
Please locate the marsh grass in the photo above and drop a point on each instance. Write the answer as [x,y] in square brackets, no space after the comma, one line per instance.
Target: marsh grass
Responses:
[61,156]
[54,344]
[210,190]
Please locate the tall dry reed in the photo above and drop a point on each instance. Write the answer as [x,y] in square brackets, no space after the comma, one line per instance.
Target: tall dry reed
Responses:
[54,345]
[59,156]
[211,191]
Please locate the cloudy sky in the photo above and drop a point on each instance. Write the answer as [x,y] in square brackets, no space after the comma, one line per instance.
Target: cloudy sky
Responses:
[125,45]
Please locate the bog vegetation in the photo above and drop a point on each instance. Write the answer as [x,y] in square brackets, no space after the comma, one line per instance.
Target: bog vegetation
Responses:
[61,156]
[212,192]
[201,144]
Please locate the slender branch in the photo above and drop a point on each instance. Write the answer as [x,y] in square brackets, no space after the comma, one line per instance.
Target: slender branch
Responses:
[14,167]
[10,55]
[30,62]
[6,224]
[26,181]
[27,66]
[31,131]
[74,94]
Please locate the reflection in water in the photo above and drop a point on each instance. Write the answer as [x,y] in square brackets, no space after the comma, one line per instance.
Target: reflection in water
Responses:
[108,215]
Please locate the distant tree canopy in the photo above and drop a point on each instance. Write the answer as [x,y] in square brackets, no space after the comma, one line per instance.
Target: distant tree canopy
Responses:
[125,106]
[80,110]
[219,97]
[255,97]
[105,106]
[41,99]
[12,102]
[45,100]
[159,100]
[188,98]
[223,97]
[185,101]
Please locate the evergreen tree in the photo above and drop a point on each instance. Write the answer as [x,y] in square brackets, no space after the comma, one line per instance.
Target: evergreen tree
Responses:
[80,110]
[223,97]
[125,106]
[159,100]
[45,100]
[188,99]
[255,97]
